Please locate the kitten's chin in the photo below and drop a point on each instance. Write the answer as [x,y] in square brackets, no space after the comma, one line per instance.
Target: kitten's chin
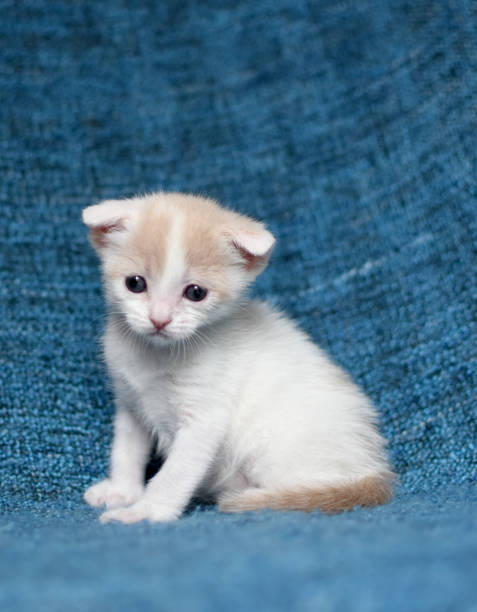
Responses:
[159,339]
[164,339]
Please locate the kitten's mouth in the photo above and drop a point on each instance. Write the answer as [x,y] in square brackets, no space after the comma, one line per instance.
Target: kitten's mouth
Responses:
[158,332]
[159,337]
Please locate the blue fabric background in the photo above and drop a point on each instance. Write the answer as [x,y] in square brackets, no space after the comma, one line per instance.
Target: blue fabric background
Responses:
[350,128]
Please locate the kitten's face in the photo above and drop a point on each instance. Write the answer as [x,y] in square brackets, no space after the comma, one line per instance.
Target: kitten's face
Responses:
[174,263]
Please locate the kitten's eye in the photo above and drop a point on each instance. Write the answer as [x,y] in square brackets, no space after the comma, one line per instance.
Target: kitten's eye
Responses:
[136,284]
[195,293]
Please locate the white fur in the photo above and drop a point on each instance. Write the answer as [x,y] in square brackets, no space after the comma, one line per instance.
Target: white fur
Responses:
[248,401]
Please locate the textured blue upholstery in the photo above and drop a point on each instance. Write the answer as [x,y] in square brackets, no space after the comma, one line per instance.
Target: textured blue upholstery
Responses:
[350,128]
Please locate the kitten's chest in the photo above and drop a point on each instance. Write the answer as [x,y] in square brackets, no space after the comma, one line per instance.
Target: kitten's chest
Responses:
[155,393]
[166,392]
[158,393]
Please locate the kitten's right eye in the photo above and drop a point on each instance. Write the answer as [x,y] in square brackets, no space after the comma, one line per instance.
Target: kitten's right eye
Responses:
[136,284]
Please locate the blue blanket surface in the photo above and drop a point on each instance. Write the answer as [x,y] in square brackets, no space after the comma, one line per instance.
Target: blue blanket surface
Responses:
[350,128]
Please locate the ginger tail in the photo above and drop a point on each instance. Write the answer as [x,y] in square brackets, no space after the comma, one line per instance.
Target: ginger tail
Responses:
[330,499]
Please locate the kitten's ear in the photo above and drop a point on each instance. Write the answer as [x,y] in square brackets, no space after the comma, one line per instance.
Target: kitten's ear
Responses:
[252,242]
[108,220]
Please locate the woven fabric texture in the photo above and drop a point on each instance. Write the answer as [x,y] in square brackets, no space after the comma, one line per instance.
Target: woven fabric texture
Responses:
[350,129]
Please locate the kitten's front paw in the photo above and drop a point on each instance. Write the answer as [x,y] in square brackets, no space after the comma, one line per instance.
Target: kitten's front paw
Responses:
[143,510]
[112,495]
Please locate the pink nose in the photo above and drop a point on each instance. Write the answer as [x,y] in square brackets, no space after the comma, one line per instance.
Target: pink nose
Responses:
[159,325]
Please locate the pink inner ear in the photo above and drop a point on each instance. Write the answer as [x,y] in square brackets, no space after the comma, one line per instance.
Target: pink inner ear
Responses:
[250,260]
[253,243]
[99,232]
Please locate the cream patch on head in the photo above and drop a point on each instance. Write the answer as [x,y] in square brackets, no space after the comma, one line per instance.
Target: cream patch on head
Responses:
[206,253]
[149,240]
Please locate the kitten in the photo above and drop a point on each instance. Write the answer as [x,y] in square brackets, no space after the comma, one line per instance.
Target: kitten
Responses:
[245,409]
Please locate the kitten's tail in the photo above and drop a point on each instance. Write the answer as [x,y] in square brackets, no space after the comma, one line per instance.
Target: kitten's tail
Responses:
[330,499]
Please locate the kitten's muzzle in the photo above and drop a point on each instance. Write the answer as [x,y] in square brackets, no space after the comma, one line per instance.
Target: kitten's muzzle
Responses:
[159,325]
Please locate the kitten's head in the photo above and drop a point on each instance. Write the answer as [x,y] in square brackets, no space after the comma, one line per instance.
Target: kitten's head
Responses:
[173,263]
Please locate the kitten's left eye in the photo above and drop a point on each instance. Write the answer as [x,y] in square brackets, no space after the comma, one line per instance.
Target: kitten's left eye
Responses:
[136,284]
[195,293]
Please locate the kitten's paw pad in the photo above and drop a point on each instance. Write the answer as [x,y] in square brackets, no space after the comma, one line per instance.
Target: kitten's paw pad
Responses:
[112,495]
[140,511]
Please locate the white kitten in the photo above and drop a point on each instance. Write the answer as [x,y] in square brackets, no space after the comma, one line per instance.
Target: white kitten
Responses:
[243,406]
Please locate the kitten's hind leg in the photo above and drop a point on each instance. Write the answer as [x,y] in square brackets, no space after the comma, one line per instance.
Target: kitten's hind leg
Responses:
[330,499]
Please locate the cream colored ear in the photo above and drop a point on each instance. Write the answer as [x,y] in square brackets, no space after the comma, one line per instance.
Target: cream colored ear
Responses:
[253,242]
[107,219]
